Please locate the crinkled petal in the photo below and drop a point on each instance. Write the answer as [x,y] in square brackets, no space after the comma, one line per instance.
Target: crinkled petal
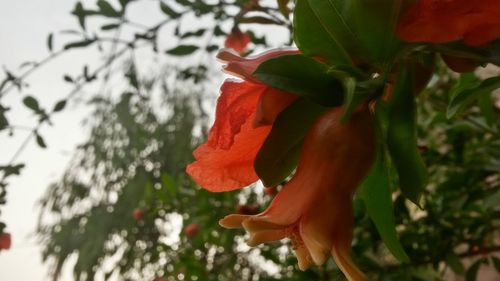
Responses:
[225,161]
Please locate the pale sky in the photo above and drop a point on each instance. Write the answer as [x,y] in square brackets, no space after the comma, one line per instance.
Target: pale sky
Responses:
[24,26]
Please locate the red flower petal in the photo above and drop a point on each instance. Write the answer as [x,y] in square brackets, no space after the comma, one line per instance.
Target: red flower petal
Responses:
[314,208]
[441,21]
[225,161]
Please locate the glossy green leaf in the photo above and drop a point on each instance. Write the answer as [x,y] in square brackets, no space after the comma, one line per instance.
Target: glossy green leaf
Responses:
[374,23]
[376,194]
[320,30]
[402,138]
[468,89]
[279,154]
[302,76]
[182,50]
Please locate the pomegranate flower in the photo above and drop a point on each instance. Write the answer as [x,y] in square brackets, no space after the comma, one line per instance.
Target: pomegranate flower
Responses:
[314,208]
[439,21]
[237,41]
[244,115]
[5,241]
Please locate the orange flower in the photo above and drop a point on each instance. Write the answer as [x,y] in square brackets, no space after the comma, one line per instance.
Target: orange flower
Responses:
[243,118]
[5,241]
[314,208]
[237,40]
[441,21]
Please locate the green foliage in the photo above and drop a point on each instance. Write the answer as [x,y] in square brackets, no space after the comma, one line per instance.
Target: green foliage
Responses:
[303,76]
[402,138]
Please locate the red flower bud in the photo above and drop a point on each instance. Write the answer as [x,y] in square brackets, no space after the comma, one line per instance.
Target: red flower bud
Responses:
[237,41]
[137,214]
[191,230]
[5,241]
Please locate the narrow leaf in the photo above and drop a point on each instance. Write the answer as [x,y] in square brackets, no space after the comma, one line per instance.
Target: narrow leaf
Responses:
[40,141]
[50,40]
[79,44]
[60,105]
[182,50]
[402,138]
[376,194]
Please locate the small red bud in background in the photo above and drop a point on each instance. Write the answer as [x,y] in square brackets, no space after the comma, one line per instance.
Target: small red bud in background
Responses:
[159,279]
[248,209]
[191,229]
[237,40]
[5,241]
[138,214]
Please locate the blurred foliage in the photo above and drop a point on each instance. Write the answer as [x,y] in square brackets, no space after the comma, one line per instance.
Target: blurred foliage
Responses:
[110,27]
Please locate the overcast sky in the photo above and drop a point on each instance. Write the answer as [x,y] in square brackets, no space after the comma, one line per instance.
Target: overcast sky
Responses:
[24,26]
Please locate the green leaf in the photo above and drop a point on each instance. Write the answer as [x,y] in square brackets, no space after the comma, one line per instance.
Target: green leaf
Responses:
[110,26]
[487,107]
[79,12]
[107,10]
[496,263]
[196,33]
[471,273]
[402,137]
[279,154]
[258,20]
[31,103]
[302,76]
[376,194]
[467,89]
[168,11]
[40,141]
[182,50]
[374,23]
[320,30]
[50,41]
[60,105]
[455,263]
[79,44]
